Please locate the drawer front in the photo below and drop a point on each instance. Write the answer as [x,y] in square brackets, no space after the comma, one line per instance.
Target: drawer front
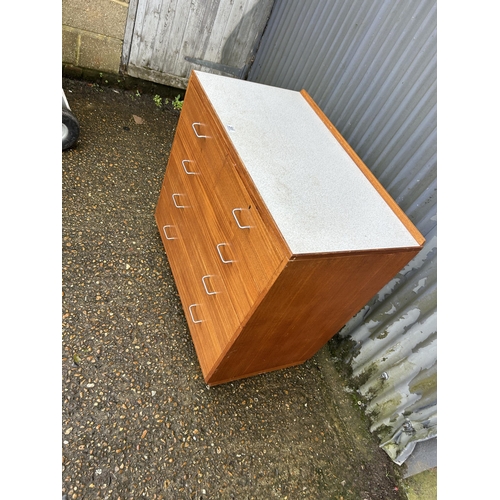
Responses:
[201,135]
[206,301]
[210,319]
[208,237]
[169,223]
[235,211]
[192,219]
[244,228]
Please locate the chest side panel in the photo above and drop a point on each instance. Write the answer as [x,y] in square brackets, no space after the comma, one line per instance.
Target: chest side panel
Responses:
[310,302]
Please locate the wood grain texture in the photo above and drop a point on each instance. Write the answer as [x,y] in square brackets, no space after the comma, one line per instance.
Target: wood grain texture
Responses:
[160,34]
[202,102]
[307,305]
[201,179]
[189,265]
[216,190]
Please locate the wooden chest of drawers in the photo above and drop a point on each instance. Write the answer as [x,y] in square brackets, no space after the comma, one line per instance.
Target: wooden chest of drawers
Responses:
[276,232]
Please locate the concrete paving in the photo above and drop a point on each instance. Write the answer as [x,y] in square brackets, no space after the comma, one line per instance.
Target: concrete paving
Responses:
[138,420]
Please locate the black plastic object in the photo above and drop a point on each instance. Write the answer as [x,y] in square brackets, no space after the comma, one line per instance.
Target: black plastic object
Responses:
[70,129]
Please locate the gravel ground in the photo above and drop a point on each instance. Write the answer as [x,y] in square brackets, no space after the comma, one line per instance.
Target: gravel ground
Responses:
[138,420]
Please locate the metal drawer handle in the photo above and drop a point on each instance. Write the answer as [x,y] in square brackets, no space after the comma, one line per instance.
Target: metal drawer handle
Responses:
[205,285]
[189,172]
[196,132]
[237,221]
[175,202]
[220,255]
[191,314]
[165,232]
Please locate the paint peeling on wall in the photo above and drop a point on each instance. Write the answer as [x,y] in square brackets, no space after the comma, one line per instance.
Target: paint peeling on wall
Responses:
[395,354]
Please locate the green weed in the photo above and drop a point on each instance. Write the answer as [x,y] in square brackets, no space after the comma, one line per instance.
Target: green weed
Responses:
[157,100]
[177,103]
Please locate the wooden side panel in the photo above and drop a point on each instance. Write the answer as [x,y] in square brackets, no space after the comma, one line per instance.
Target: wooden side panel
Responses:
[309,303]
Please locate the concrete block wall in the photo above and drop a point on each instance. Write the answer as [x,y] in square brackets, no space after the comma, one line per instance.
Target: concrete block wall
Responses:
[93,32]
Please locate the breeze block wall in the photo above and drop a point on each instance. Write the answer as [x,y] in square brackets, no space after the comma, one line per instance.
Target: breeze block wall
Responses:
[93,32]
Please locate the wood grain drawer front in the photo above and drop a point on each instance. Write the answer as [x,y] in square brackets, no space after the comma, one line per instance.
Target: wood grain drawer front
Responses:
[243,256]
[205,300]
[211,239]
[250,239]
[189,172]
[167,218]
[194,219]
[236,220]
[210,317]
[201,135]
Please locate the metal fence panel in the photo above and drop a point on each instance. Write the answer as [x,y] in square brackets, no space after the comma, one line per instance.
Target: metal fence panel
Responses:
[371,67]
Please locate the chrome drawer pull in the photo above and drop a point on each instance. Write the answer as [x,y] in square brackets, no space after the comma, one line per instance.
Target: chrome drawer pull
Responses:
[196,132]
[189,172]
[191,313]
[175,203]
[237,221]
[220,255]
[165,232]
[205,285]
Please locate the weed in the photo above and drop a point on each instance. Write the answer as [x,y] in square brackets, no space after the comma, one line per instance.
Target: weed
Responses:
[177,103]
[157,100]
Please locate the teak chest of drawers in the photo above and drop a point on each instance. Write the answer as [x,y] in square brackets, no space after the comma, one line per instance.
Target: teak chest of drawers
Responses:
[275,231]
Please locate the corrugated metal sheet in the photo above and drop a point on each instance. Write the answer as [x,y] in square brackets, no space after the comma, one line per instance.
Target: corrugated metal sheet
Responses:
[393,353]
[371,67]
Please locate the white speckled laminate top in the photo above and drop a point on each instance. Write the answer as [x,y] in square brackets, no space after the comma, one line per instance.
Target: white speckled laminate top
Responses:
[317,195]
